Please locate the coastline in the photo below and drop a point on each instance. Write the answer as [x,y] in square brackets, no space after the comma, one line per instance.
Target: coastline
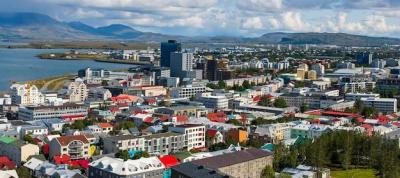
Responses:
[76,58]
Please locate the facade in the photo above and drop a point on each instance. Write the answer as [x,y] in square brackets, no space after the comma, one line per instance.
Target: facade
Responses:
[26,94]
[178,110]
[164,143]
[182,65]
[214,102]
[364,58]
[76,92]
[195,135]
[356,96]
[186,92]
[385,105]
[190,170]
[76,146]
[237,135]
[244,163]
[166,49]
[114,144]
[16,150]
[68,112]
[99,94]
[113,167]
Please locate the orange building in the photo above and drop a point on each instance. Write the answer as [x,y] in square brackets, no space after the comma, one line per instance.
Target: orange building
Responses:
[237,135]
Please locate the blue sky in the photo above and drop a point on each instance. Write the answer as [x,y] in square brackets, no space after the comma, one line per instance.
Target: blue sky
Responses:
[226,17]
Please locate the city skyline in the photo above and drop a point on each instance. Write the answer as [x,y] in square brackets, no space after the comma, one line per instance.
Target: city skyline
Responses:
[225,18]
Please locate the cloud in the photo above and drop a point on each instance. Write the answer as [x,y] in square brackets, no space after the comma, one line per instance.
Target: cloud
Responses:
[294,21]
[252,23]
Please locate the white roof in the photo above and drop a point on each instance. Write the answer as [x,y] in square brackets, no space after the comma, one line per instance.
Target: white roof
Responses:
[33,163]
[120,167]
[8,174]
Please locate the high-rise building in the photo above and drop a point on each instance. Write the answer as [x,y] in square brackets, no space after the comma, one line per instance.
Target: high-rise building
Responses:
[364,58]
[181,65]
[312,75]
[212,68]
[26,94]
[319,68]
[166,49]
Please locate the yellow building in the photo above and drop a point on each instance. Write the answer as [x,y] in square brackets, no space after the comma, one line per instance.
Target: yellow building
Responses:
[312,75]
[237,135]
[301,74]
[303,66]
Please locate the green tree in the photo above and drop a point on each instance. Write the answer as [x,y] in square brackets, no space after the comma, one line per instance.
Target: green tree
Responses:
[246,84]
[221,84]
[368,111]
[234,122]
[124,125]
[122,154]
[142,154]
[284,175]
[23,172]
[264,101]
[303,107]
[280,103]
[358,106]
[268,172]
[218,146]
[28,138]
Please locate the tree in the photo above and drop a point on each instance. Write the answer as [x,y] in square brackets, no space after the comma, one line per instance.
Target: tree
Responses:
[303,107]
[358,106]
[265,101]
[125,125]
[218,146]
[284,175]
[28,138]
[234,122]
[280,103]
[246,84]
[123,154]
[268,172]
[23,172]
[368,111]
[221,84]
[141,154]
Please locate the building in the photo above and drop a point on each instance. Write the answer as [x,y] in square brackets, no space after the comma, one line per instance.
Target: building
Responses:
[237,135]
[164,143]
[16,150]
[244,163]
[69,112]
[190,170]
[178,110]
[319,68]
[312,75]
[214,102]
[364,58]
[195,135]
[378,63]
[114,167]
[76,146]
[356,96]
[212,68]
[182,65]
[186,92]
[26,94]
[99,94]
[384,105]
[166,49]
[75,92]
[301,74]
[114,144]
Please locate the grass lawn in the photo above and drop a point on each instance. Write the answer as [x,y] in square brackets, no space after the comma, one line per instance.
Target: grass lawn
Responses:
[354,173]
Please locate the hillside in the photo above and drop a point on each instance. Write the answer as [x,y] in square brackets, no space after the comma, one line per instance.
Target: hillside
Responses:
[340,39]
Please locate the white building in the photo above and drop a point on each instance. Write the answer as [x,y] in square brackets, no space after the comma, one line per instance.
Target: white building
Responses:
[385,105]
[214,102]
[68,112]
[186,92]
[319,68]
[356,96]
[76,91]
[26,94]
[99,94]
[195,135]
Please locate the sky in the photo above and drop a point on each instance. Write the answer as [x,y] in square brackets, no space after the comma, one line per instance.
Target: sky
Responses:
[247,18]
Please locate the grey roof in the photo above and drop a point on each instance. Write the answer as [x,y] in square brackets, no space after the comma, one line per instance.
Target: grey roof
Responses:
[232,158]
[122,137]
[194,171]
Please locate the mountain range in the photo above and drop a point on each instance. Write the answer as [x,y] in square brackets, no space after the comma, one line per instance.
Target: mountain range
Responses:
[36,26]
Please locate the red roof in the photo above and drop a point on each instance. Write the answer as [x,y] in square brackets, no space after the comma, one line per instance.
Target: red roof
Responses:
[342,114]
[182,118]
[257,98]
[163,118]
[360,119]
[104,125]
[382,119]
[169,161]
[46,148]
[396,124]
[6,163]
[81,162]
[148,120]
[63,159]
[211,132]
[316,112]
[217,117]
[367,126]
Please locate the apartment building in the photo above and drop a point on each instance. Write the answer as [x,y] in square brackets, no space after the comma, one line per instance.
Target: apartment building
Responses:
[76,146]
[69,112]
[113,167]
[16,150]
[186,92]
[384,105]
[99,94]
[76,91]
[164,143]
[244,163]
[214,102]
[194,135]
[114,144]
[26,94]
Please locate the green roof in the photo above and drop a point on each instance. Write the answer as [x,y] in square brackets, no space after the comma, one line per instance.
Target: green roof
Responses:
[7,139]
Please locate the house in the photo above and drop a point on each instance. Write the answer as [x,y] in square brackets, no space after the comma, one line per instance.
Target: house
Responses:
[168,161]
[164,143]
[195,135]
[114,144]
[213,136]
[16,150]
[76,146]
[105,127]
[244,163]
[33,130]
[237,135]
[6,164]
[113,167]
[8,174]
[106,115]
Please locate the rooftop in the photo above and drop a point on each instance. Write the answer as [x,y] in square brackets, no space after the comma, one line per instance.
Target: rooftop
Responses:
[65,140]
[195,171]
[232,158]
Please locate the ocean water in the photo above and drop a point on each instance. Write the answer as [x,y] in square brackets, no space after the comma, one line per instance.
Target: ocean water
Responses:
[23,65]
